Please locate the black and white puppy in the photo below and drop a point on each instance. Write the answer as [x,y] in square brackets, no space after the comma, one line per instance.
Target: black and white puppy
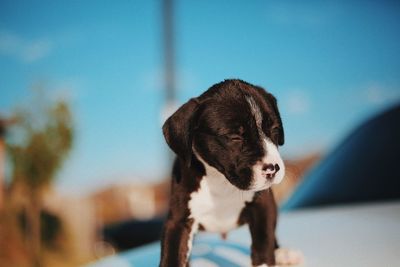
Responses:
[226,142]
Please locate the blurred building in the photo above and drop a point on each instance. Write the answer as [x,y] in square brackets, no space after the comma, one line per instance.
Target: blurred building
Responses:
[132,201]
[84,218]
[295,170]
[4,123]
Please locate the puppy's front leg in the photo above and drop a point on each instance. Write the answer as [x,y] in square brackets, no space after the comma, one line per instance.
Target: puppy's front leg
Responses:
[261,218]
[176,242]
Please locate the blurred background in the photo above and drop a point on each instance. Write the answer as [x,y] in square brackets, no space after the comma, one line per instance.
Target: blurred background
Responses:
[86,85]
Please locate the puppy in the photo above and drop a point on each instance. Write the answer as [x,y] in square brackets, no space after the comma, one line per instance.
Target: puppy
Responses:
[226,142]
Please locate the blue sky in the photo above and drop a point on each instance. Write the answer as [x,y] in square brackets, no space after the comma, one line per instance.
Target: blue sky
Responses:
[331,65]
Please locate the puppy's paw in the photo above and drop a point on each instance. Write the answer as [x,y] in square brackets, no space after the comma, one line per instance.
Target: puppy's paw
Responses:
[288,257]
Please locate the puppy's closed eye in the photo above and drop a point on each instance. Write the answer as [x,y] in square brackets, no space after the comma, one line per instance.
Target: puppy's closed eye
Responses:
[236,138]
[235,141]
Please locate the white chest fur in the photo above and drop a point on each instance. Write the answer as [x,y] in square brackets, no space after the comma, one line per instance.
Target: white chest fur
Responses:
[217,204]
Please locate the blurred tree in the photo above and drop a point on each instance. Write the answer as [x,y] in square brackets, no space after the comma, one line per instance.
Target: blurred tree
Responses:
[40,142]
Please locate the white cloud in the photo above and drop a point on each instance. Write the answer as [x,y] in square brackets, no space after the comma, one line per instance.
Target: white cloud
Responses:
[36,50]
[297,102]
[284,14]
[378,94]
[302,14]
[25,50]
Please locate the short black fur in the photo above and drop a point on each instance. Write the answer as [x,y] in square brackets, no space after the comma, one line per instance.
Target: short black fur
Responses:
[219,126]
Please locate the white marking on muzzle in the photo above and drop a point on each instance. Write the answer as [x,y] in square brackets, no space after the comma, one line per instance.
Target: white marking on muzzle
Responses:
[271,158]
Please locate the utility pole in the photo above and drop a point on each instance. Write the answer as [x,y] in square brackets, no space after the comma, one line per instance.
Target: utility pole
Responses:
[169,51]
[169,63]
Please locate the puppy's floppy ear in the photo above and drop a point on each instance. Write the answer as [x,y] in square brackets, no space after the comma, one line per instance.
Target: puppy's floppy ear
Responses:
[177,130]
[281,134]
[272,101]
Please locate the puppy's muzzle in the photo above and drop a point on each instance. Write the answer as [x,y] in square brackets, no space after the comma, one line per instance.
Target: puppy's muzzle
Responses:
[270,170]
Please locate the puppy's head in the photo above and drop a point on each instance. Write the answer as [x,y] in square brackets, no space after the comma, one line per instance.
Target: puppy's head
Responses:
[234,127]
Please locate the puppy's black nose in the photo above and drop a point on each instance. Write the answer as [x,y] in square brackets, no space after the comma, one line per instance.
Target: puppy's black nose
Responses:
[277,168]
[267,167]
[269,170]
